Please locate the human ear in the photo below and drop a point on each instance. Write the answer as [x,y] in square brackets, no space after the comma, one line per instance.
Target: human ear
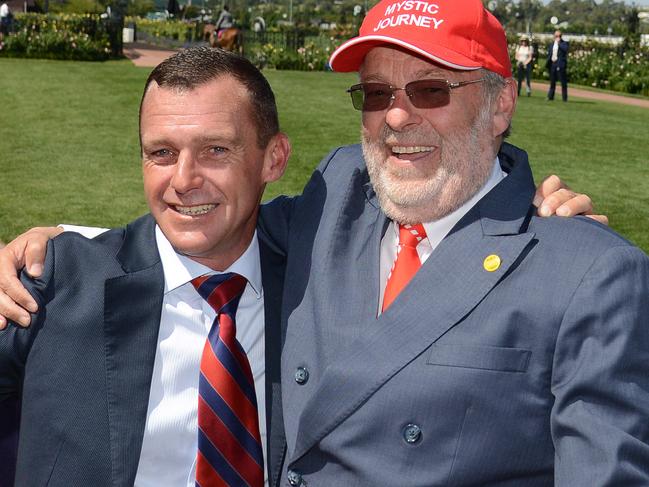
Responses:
[505,107]
[276,157]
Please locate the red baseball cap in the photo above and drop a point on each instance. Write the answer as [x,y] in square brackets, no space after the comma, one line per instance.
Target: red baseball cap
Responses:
[459,34]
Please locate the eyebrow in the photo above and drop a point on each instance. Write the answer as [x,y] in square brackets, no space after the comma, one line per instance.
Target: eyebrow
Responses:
[421,74]
[224,140]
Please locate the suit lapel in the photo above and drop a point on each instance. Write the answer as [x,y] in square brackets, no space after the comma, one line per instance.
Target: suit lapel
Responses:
[133,304]
[449,285]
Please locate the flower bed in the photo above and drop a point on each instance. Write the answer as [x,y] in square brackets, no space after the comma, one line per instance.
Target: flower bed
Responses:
[310,57]
[66,36]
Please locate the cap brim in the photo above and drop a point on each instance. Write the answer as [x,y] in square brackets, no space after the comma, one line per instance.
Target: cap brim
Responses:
[349,56]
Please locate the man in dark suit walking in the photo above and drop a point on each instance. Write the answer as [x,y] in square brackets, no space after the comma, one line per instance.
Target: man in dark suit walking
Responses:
[557,63]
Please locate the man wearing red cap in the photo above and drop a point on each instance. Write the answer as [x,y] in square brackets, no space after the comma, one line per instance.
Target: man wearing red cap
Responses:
[438,332]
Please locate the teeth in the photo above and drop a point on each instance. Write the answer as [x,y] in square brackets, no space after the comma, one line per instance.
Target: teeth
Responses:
[411,149]
[194,210]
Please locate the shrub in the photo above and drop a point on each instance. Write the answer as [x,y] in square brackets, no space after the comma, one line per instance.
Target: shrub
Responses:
[307,58]
[160,31]
[66,36]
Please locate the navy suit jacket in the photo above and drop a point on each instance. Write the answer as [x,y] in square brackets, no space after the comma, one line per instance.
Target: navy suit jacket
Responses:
[562,55]
[534,373]
[84,367]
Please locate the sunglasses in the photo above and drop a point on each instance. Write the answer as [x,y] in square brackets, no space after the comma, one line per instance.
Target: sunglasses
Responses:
[425,93]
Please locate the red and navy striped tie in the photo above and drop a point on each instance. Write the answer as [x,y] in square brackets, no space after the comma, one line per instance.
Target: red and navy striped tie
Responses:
[229,444]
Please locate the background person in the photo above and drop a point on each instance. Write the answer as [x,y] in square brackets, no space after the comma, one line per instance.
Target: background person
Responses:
[225,21]
[557,64]
[524,56]
[6,18]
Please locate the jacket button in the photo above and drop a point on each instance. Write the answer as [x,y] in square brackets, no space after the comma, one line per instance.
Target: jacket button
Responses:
[301,375]
[412,433]
[294,478]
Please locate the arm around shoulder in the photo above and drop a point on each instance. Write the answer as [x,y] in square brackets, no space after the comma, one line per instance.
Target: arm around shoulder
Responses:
[15,340]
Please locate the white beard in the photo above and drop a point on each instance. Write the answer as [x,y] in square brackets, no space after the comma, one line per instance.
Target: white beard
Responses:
[411,195]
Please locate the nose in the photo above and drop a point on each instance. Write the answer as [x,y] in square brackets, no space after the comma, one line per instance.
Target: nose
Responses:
[401,113]
[187,174]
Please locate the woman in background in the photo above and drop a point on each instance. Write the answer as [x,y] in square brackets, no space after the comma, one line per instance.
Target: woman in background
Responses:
[524,56]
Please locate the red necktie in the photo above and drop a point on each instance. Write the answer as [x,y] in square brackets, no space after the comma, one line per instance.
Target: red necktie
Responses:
[229,444]
[406,264]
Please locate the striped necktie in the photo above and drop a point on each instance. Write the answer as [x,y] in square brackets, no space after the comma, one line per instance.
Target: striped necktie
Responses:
[406,264]
[229,444]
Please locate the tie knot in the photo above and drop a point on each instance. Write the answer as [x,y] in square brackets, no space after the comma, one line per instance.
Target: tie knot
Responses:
[411,235]
[221,291]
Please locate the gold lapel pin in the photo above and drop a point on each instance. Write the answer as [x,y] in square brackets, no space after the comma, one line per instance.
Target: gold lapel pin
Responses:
[491,263]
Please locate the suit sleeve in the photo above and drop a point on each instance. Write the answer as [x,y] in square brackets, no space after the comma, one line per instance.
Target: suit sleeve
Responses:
[600,379]
[275,216]
[15,341]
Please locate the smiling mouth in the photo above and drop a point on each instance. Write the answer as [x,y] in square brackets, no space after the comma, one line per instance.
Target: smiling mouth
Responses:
[194,210]
[411,149]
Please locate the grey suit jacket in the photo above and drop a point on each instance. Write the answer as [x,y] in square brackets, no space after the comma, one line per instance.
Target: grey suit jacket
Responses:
[535,374]
[84,367]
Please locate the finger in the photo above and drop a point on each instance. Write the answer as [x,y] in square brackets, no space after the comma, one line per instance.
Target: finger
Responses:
[11,311]
[603,219]
[10,285]
[551,203]
[35,251]
[579,204]
[12,289]
[3,322]
[549,185]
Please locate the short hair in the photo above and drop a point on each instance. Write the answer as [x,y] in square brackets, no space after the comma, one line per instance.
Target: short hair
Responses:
[196,66]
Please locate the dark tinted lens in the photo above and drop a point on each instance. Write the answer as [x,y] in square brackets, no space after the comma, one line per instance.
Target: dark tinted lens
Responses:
[428,93]
[371,97]
[377,96]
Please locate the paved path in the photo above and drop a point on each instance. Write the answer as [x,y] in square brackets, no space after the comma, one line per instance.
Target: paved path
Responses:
[148,56]
[591,95]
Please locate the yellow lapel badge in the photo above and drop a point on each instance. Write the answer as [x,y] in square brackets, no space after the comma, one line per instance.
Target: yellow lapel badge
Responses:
[491,263]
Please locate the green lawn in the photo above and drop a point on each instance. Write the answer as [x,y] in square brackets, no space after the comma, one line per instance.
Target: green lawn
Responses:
[69,147]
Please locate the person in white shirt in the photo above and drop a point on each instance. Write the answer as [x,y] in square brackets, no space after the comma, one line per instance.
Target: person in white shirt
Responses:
[5,20]
[524,56]
[109,373]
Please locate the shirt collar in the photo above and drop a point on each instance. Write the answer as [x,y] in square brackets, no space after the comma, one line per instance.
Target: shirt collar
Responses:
[179,269]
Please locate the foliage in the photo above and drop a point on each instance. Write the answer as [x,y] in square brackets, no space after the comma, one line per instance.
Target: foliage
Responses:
[63,36]
[307,58]
[140,7]
[619,68]
[574,16]
[178,30]
[78,7]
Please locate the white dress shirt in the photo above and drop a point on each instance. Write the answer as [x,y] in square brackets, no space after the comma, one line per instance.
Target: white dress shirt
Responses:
[555,51]
[168,456]
[435,231]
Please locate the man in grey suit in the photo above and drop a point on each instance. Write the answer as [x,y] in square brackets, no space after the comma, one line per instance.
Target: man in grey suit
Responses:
[108,373]
[517,354]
